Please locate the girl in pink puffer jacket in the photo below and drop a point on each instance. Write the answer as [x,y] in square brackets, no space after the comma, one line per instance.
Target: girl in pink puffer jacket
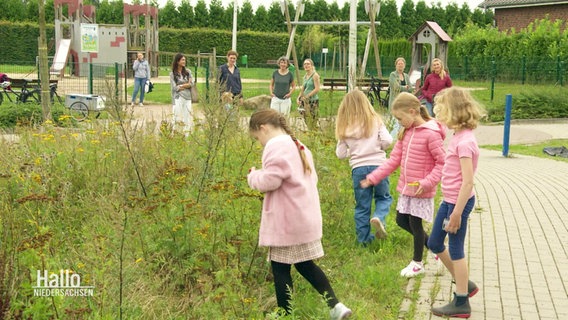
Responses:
[420,154]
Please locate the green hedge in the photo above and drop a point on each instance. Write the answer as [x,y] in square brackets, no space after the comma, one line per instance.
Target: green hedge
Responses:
[20,40]
[258,46]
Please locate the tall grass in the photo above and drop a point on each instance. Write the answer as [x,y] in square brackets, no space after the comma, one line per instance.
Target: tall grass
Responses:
[178,238]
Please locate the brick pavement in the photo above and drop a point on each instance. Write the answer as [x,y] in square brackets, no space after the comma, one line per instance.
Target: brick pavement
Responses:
[517,244]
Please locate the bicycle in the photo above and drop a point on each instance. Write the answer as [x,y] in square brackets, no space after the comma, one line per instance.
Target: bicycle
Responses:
[26,95]
[21,96]
[376,94]
[35,94]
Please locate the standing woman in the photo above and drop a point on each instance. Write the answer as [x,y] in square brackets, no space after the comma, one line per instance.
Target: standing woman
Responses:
[141,74]
[435,82]
[398,80]
[230,77]
[308,99]
[281,87]
[181,82]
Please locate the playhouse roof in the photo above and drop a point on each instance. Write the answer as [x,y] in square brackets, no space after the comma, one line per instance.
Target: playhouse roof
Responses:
[435,27]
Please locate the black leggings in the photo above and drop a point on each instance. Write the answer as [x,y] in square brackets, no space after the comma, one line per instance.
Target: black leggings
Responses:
[414,226]
[310,271]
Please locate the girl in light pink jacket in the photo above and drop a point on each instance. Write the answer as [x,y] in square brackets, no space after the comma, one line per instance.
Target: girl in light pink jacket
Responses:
[420,154]
[363,138]
[291,222]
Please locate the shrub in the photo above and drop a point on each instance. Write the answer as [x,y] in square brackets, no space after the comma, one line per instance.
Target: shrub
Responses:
[541,103]
[30,114]
[12,114]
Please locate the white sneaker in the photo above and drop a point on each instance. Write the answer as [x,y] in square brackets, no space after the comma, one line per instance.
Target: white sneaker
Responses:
[132,104]
[380,232]
[413,269]
[141,104]
[340,311]
[439,266]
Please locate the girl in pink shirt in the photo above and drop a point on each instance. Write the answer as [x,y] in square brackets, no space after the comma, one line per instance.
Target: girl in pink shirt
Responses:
[459,111]
[363,137]
[420,154]
[291,222]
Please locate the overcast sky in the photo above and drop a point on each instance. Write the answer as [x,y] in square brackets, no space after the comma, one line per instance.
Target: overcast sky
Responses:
[255,3]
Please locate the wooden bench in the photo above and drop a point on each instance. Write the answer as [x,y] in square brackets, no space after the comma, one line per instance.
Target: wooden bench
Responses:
[341,83]
[29,83]
[275,62]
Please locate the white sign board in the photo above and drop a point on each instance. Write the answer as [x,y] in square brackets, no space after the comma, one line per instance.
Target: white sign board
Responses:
[89,37]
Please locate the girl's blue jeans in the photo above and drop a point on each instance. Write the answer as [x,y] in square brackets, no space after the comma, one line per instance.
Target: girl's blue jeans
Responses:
[430,107]
[364,201]
[456,241]
[139,84]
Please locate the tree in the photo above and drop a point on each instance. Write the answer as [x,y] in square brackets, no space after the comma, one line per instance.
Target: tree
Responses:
[186,14]
[335,15]
[452,18]
[49,11]
[261,20]
[345,12]
[464,16]
[408,19]
[320,10]
[438,15]
[110,12]
[32,8]
[390,21]
[312,41]
[246,16]
[228,17]
[168,16]
[201,14]
[334,12]
[13,10]
[276,18]
[216,11]
[422,12]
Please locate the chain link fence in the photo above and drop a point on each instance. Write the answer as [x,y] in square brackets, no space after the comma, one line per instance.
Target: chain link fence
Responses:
[96,79]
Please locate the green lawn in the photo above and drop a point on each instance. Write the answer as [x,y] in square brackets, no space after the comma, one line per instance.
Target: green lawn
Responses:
[534,150]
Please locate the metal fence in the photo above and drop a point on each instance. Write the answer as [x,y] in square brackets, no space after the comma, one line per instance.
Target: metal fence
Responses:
[523,70]
[97,79]
[111,79]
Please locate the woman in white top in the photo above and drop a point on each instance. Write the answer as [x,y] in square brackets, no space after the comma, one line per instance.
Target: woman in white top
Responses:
[181,82]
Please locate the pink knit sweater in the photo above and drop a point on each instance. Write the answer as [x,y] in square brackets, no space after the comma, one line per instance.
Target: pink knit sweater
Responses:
[291,211]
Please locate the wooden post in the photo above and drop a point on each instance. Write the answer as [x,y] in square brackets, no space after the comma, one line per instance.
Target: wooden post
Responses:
[43,67]
[373,11]
[292,32]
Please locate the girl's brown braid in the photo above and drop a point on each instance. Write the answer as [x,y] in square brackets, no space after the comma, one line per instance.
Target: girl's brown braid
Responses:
[301,148]
[277,119]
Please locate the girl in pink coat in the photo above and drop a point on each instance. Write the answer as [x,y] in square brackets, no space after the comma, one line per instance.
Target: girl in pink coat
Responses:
[420,154]
[291,222]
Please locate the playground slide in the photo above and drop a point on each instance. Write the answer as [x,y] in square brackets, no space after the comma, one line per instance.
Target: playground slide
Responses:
[60,58]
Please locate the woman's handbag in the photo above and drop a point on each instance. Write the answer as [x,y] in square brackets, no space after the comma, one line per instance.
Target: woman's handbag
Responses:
[194,93]
[149,86]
